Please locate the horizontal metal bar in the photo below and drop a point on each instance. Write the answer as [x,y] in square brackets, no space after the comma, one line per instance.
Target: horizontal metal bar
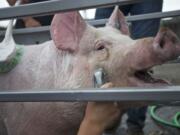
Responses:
[148,16]
[154,15]
[29,30]
[29,36]
[51,7]
[161,94]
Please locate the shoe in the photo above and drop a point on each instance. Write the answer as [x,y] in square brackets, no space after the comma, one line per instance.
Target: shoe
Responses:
[134,132]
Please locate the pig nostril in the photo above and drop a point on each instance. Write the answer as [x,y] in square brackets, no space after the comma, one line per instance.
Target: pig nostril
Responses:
[162,43]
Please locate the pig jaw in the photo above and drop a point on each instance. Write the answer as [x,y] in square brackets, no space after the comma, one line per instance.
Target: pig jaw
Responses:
[150,52]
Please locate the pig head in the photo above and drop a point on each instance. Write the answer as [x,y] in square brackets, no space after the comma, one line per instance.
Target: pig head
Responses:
[70,60]
[126,61]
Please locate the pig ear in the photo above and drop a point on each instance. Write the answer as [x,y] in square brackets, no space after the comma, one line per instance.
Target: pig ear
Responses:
[117,20]
[67,30]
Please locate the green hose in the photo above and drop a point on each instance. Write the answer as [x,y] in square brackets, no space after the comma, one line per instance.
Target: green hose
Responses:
[175,120]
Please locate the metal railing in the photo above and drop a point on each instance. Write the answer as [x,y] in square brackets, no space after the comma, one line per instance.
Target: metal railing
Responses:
[51,7]
[152,95]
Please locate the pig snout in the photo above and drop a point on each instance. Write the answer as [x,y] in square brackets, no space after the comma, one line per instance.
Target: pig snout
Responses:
[166,45]
[149,52]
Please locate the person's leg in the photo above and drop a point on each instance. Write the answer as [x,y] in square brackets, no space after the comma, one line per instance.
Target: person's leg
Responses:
[140,29]
[103,13]
[136,119]
[145,28]
[3,129]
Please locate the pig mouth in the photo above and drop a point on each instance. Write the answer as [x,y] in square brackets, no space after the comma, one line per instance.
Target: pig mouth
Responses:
[145,78]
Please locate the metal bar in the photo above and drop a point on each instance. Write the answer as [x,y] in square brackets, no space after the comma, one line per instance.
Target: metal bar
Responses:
[29,30]
[29,36]
[51,7]
[156,15]
[162,94]
[101,22]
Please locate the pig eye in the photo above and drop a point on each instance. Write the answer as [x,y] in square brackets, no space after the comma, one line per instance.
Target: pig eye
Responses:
[100,47]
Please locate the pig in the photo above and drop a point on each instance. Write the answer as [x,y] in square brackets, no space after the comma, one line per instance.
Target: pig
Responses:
[69,61]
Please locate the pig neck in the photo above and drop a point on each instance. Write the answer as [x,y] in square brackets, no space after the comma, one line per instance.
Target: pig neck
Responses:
[61,69]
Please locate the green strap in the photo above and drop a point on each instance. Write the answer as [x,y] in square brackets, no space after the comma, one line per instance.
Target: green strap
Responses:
[9,65]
